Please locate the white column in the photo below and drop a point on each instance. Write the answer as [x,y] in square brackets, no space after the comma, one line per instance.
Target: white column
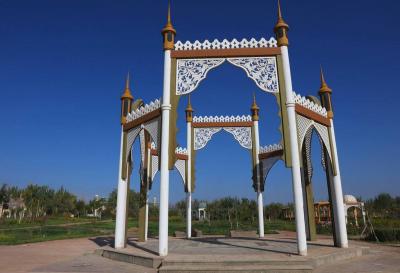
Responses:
[146,223]
[260,214]
[122,194]
[294,148]
[189,181]
[363,213]
[260,202]
[164,179]
[340,218]
[189,215]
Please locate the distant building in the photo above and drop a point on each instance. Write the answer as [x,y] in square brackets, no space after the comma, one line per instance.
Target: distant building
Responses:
[322,211]
[202,211]
[14,208]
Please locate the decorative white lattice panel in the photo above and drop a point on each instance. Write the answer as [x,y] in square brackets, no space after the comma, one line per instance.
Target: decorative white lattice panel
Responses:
[190,72]
[262,70]
[225,44]
[242,135]
[202,136]
[180,166]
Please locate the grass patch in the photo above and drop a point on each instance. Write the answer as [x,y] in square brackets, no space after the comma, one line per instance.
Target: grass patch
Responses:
[48,233]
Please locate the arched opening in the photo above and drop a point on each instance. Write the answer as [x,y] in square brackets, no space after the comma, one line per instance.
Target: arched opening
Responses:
[316,180]
[224,172]
[208,100]
[139,171]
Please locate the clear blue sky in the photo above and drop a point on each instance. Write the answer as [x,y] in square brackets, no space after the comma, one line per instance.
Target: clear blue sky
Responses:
[63,66]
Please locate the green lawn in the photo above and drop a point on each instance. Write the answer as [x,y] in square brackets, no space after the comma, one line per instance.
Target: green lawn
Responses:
[47,233]
[44,221]
[56,228]
[60,228]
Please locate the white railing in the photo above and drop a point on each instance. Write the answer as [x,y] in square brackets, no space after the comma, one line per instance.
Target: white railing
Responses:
[270,148]
[154,105]
[181,151]
[243,118]
[303,101]
[225,44]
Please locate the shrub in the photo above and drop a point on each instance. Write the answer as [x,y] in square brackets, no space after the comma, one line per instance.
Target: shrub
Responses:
[385,235]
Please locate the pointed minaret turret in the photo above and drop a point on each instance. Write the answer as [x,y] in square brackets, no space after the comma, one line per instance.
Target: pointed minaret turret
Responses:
[189,111]
[281,29]
[168,32]
[126,101]
[255,110]
[325,94]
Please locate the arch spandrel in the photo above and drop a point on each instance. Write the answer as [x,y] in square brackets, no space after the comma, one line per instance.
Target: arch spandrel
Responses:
[180,164]
[262,70]
[304,125]
[268,156]
[240,127]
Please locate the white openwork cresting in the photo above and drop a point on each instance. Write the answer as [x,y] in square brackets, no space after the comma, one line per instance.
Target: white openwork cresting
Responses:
[181,151]
[225,44]
[260,69]
[271,148]
[303,101]
[243,118]
[154,105]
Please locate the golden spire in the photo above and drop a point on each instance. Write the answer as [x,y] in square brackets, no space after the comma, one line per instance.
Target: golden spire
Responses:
[325,94]
[254,109]
[279,10]
[127,92]
[169,13]
[168,32]
[189,106]
[127,81]
[254,106]
[189,111]
[281,28]
[324,87]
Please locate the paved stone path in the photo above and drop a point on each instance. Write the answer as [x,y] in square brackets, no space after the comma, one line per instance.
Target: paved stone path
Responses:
[76,255]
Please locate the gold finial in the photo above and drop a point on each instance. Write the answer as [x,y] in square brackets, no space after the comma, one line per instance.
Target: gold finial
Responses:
[126,101]
[189,111]
[168,32]
[169,12]
[127,93]
[324,87]
[254,109]
[281,28]
[325,94]
[127,82]
[279,10]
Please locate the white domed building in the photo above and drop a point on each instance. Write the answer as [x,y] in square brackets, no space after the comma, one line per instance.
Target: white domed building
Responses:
[351,202]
